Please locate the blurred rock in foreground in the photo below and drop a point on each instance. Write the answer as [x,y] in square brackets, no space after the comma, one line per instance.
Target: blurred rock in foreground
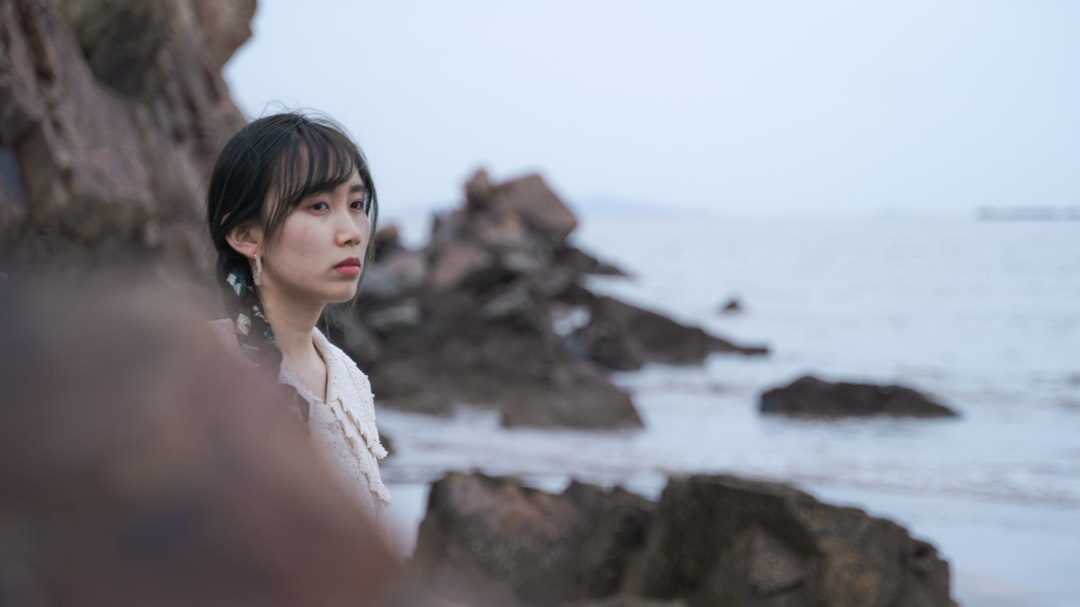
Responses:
[811,397]
[111,113]
[494,311]
[709,540]
[140,464]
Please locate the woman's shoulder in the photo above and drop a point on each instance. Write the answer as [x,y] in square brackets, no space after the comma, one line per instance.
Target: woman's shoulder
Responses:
[343,364]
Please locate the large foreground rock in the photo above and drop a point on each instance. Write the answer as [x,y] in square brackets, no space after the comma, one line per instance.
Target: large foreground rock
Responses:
[810,396]
[111,114]
[140,464]
[710,540]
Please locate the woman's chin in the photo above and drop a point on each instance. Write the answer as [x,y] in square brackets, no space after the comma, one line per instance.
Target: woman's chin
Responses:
[342,295]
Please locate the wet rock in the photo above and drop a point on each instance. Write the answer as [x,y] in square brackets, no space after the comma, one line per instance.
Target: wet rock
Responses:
[585,263]
[731,307]
[587,402]
[387,240]
[528,545]
[722,540]
[501,229]
[530,198]
[506,364]
[621,336]
[458,263]
[403,314]
[379,284]
[396,272]
[445,228]
[554,281]
[408,268]
[478,190]
[514,302]
[810,396]
[710,540]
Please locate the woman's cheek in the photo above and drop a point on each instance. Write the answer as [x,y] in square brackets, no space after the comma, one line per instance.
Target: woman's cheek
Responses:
[306,234]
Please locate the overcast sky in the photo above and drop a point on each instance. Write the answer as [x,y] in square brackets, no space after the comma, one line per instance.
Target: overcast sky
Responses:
[728,106]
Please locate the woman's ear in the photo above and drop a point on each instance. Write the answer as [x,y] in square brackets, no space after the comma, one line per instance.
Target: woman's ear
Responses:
[246,239]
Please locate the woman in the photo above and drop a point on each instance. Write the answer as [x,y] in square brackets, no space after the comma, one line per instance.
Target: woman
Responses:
[291,209]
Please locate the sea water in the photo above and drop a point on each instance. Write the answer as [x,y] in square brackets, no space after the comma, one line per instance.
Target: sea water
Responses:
[983,316]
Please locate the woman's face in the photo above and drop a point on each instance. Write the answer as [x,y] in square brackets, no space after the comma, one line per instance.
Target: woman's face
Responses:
[318,254]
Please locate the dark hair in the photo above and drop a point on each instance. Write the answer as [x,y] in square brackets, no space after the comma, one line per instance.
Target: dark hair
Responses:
[288,157]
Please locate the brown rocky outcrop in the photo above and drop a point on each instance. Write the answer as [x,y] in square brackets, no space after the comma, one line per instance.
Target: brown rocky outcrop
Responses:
[494,312]
[809,396]
[111,112]
[709,540]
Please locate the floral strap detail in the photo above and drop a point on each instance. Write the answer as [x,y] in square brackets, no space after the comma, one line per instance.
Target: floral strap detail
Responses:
[245,313]
[253,331]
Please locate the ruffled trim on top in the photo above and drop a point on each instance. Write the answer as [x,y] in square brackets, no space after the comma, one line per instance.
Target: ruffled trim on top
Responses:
[350,400]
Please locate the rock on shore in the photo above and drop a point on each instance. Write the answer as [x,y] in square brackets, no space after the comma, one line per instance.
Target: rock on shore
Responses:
[810,396]
[709,540]
[111,114]
[494,311]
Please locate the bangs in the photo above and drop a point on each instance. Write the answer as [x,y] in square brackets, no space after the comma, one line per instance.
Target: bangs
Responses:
[315,159]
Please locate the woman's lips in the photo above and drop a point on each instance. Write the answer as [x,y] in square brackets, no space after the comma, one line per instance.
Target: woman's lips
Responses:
[349,267]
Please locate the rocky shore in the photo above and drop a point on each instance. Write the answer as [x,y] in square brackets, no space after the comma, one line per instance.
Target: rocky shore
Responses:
[708,540]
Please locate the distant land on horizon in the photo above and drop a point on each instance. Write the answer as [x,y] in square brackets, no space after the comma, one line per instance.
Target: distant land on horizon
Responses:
[1032,213]
[610,207]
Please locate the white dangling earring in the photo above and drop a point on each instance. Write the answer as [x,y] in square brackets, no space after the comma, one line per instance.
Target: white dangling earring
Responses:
[257,274]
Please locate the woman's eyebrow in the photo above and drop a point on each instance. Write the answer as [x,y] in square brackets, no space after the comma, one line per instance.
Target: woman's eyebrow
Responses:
[355,188]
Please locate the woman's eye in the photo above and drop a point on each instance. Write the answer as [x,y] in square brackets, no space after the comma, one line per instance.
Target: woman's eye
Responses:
[357,205]
[319,206]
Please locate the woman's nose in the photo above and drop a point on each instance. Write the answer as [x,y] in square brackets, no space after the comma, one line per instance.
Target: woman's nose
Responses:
[351,229]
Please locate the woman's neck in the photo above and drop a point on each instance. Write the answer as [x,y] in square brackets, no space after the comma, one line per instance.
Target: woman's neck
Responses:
[293,322]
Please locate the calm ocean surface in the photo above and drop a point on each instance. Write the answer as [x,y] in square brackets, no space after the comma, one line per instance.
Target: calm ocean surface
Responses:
[983,315]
